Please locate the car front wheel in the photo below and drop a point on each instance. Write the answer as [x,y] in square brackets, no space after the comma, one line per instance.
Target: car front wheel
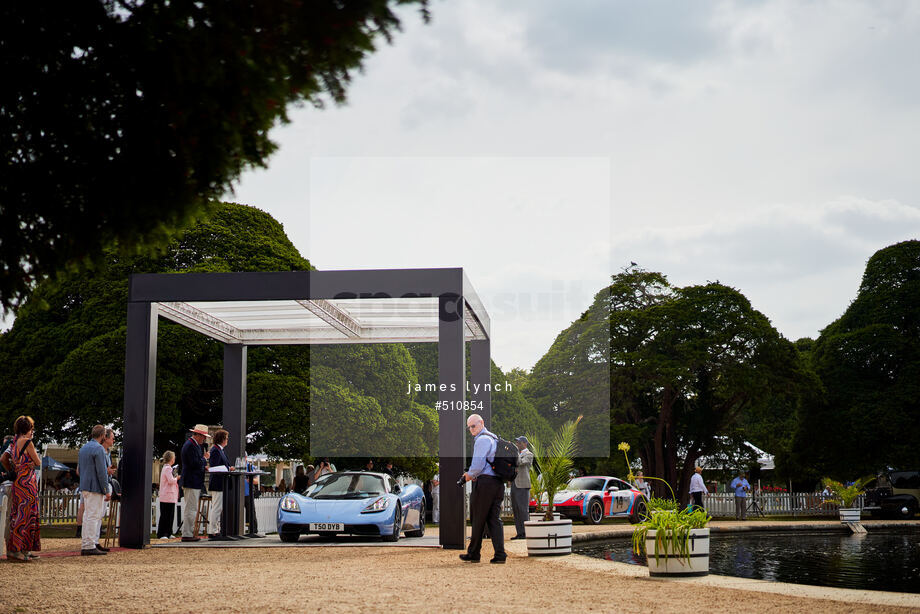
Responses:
[595,512]
[397,526]
[907,511]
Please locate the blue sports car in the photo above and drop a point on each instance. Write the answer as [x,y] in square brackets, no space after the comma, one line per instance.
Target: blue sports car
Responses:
[355,503]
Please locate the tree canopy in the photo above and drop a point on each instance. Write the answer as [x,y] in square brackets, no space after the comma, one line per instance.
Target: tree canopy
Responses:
[685,365]
[65,351]
[869,363]
[120,120]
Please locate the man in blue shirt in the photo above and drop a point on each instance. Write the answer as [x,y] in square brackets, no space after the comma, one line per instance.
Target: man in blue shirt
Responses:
[94,483]
[488,492]
[741,487]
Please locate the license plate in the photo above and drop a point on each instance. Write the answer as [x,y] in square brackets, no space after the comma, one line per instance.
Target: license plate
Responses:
[327,526]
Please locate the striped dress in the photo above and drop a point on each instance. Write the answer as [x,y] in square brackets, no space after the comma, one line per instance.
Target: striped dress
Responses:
[24,534]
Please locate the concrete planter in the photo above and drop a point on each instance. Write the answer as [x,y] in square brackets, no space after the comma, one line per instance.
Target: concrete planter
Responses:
[673,565]
[548,538]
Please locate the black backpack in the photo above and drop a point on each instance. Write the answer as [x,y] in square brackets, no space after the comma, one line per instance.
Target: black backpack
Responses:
[505,462]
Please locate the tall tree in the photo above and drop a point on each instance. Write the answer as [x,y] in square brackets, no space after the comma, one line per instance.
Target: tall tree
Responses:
[120,119]
[64,355]
[869,363]
[684,366]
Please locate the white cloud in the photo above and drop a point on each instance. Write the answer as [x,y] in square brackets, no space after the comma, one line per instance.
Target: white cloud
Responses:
[728,131]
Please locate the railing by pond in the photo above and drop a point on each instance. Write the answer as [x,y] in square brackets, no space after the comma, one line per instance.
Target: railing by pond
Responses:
[794,504]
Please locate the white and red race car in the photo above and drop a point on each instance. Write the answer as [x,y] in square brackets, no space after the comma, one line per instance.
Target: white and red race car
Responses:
[595,497]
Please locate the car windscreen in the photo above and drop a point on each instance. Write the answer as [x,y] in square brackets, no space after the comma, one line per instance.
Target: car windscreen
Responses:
[586,484]
[348,486]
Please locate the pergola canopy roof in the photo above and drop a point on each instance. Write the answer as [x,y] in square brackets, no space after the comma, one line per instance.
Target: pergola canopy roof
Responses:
[359,320]
[303,307]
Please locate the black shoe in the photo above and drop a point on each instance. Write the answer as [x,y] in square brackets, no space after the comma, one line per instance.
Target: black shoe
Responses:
[518,537]
[91,552]
[219,538]
[499,560]
[469,559]
[191,539]
[101,549]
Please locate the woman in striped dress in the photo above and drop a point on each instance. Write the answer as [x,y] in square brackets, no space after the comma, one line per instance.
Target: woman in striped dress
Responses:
[24,534]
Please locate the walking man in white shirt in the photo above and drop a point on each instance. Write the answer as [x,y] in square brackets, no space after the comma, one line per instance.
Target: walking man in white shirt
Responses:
[697,488]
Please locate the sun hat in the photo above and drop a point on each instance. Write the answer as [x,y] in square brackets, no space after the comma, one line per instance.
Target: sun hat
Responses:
[201,429]
[523,439]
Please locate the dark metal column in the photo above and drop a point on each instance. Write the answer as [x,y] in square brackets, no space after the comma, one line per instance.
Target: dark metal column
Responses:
[235,420]
[452,420]
[137,428]
[481,380]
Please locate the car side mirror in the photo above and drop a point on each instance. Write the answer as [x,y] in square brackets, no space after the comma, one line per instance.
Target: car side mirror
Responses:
[395,488]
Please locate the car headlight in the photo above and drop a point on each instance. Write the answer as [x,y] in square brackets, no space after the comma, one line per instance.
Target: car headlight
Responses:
[579,497]
[377,505]
[289,504]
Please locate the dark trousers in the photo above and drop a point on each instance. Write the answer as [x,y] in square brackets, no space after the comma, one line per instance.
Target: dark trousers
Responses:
[485,510]
[697,499]
[167,515]
[251,515]
[520,506]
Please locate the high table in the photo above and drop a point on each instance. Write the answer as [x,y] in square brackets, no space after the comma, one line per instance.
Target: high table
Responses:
[232,518]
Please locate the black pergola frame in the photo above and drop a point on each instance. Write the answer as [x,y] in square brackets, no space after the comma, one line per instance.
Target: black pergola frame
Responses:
[450,286]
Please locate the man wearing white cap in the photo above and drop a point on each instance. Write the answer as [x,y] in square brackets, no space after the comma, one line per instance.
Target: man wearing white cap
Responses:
[194,464]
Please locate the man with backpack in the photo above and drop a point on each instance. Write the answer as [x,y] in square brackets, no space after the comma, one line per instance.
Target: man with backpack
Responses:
[488,492]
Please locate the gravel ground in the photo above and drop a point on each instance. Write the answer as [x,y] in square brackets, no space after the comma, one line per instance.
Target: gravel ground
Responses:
[359,579]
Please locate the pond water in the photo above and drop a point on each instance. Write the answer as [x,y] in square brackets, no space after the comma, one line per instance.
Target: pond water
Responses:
[887,560]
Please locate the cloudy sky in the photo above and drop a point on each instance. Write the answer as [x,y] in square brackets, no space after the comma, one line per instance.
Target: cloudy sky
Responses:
[544,145]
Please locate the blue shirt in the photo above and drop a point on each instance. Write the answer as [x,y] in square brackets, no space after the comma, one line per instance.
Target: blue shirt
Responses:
[739,484]
[92,464]
[483,453]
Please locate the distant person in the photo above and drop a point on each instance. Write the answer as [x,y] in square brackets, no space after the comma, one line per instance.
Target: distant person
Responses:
[643,486]
[218,458]
[323,468]
[697,488]
[249,498]
[169,495]
[194,463]
[282,486]
[741,487]
[21,457]
[369,465]
[94,484]
[311,477]
[436,497]
[388,468]
[520,487]
[301,483]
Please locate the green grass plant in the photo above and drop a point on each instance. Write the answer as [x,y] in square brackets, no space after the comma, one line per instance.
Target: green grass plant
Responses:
[672,531]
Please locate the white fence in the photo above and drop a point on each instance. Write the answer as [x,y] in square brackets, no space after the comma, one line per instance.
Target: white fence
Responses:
[62,508]
[774,504]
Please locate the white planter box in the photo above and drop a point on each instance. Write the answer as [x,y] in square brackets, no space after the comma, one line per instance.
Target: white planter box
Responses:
[548,538]
[674,565]
[849,514]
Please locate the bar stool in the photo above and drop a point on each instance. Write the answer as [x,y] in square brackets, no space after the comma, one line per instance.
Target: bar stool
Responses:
[112,524]
[204,508]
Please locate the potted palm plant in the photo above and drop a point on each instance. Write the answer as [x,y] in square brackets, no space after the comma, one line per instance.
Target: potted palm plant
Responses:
[551,535]
[675,542]
[845,497]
